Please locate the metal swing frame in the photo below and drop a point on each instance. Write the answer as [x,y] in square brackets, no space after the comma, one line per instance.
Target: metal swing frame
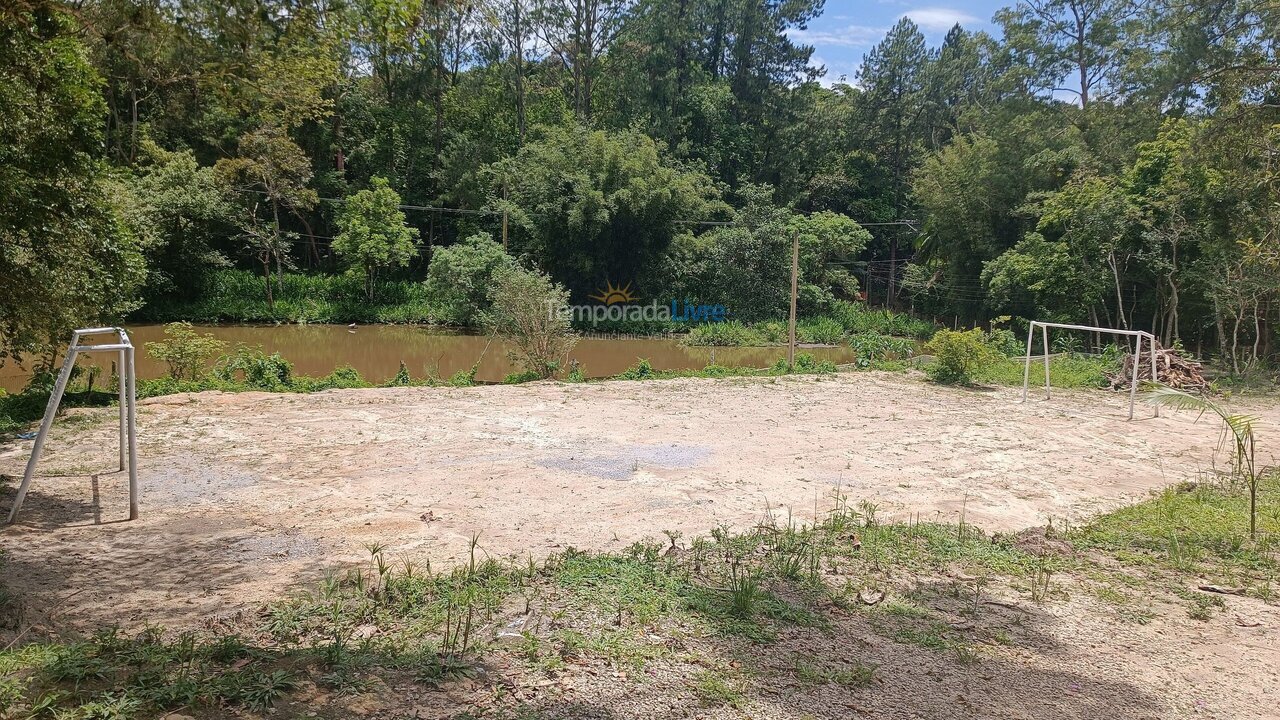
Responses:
[128,410]
[1137,355]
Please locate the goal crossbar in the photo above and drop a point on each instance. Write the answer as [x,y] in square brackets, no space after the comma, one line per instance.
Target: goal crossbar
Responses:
[1141,335]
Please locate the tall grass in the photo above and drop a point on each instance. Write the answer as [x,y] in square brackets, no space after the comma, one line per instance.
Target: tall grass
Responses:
[240,296]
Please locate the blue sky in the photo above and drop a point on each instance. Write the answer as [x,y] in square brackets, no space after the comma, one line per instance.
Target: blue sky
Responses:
[847,29]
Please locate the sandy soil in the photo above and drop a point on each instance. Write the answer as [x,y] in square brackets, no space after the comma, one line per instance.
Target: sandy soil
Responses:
[246,495]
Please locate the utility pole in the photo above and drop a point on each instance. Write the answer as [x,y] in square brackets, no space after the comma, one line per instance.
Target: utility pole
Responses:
[795,278]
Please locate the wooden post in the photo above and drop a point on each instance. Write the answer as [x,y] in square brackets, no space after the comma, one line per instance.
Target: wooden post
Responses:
[795,279]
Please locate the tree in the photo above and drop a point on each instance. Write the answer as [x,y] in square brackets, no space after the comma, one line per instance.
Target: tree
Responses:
[529,310]
[372,234]
[1070,46]
[67,258]
[460,278]
[591,206]
[182,212]
[270,170]
[893,74]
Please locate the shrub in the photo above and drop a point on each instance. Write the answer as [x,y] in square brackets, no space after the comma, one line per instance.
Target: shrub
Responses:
[521,377]
[254,368]
[185,351]
[530,312]
[958,355]
[642,370]
[460,276]
[871,348]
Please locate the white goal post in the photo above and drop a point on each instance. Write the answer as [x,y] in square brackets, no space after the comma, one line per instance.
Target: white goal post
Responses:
[127,388]
[1137,354]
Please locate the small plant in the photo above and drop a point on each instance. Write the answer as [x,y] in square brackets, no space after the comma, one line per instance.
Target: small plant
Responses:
[401,378]
[1237,433]
[253,367]
[518,378]
[744,588]
[642,370]
[256,689]
[715,690]
[1202,607]
[184,350]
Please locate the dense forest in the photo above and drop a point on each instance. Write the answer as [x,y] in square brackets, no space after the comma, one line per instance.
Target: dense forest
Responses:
[1103,161]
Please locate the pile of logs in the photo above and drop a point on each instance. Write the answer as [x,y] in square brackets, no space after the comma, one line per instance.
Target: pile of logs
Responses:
[1171,369]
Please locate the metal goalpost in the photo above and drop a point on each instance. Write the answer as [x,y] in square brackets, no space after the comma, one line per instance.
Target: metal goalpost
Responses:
[1137,354]
[128,410]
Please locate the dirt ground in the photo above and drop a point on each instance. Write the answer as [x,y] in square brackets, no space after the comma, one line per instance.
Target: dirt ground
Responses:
[247,496]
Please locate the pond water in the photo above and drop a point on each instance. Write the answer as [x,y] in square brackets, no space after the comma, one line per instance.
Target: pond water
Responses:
[377,350]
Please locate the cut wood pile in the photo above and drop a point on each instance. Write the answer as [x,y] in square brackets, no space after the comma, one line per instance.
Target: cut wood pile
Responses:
[1172,369]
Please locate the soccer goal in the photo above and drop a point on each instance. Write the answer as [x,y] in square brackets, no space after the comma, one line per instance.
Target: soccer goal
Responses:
[127,386]
[1137,353]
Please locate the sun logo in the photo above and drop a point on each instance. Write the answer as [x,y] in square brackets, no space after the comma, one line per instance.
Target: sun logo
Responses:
[613,295]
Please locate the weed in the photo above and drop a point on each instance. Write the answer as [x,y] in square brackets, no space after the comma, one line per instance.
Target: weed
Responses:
[716,690]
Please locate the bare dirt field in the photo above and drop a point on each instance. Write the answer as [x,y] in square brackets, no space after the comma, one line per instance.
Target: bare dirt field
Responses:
[244,495]
[247,496]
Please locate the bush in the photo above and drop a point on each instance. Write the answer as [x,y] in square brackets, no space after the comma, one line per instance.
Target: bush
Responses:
[460,277]
[642,370]
[530,311]
[185,351]
[520,377]
[958,355]
[252,367]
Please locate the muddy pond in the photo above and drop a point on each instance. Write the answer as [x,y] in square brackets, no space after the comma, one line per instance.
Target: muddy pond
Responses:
[377,351]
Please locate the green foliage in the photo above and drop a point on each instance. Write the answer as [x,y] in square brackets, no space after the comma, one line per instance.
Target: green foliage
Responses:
[729,333]
[642,370]
[593,206]
[820,330]
[255,369]
[529,311]
[958,355]
[236,296]
[185,351]
[805,363]
[67,257]
[858,318]
[460,278]
[372,233]
[872,348]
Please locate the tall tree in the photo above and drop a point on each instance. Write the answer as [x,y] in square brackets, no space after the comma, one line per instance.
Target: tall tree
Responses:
[893,75]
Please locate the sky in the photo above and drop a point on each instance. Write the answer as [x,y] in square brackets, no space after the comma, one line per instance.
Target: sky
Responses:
[847,29]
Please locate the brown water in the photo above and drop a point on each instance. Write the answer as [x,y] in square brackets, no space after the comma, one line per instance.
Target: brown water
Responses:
[377,350]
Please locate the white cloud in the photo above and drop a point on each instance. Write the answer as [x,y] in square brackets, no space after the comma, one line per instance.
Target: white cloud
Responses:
[854,36]
[939,19]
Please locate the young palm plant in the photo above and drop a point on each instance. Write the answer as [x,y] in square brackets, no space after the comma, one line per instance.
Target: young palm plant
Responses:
[1237,433]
